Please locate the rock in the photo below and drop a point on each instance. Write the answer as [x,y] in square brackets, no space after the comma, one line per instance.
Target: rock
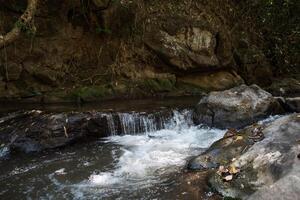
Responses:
[269,169]
[42,73]
[188,48]
[222,151]
[236,107]
[293,104]
[286,87]
[213,81]
[36,131]
[46,76]
[158,85]
[13,72]
[289,104]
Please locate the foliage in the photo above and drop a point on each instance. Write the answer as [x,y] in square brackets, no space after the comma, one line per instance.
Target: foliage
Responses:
[27,29]
[278,23]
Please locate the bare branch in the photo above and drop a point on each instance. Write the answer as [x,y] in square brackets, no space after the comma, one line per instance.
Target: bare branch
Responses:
[25,20]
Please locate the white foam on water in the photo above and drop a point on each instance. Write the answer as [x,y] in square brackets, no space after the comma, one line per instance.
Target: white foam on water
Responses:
[61,171]
[146,156]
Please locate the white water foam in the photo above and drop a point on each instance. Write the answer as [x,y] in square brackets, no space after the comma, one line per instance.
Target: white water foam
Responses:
[151,155]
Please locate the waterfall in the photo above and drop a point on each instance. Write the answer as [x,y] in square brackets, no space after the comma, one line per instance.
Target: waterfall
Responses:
[132,123]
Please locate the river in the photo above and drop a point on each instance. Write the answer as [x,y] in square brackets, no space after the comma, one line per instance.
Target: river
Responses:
[142,160]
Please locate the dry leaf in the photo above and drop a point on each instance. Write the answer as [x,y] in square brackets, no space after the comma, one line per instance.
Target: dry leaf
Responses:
[238,138]
[233,170]
[222,170]
[228,178]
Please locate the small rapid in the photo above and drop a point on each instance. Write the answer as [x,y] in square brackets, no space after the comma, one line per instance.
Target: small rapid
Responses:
[148,159]
[140,159]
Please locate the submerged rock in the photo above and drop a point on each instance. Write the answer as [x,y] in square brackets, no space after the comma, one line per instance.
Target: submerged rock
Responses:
[236,107]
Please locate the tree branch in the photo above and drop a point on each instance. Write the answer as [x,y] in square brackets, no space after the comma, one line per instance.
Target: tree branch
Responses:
[23,22]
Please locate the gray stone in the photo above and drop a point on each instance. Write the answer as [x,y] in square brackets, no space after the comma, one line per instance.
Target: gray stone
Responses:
[270,168]
[187,49]
[236,107]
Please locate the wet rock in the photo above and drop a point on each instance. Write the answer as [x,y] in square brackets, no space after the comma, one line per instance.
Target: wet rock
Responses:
[35,130]
[293,104]
[289,104]
[236,107]
[269,169]
[202,163]
[221,80]
[223,151]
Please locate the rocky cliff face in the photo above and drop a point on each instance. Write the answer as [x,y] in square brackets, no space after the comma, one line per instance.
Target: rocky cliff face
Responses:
[85,51]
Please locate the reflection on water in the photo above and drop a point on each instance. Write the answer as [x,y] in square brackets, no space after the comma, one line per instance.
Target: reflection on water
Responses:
[104,106]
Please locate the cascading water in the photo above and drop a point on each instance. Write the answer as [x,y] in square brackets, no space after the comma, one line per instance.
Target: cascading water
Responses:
[162,149]
[139,160]
[135,123]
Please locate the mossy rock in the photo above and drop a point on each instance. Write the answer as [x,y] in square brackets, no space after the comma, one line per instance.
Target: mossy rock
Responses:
[81,94]
[159,84]
[92,93]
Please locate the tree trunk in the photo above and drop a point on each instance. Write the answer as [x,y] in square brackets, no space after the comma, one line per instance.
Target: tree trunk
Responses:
[23,22]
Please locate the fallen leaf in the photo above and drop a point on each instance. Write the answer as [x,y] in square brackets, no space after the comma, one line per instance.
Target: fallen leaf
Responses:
[222,170]
[233,170]
[228,178]
[238,138]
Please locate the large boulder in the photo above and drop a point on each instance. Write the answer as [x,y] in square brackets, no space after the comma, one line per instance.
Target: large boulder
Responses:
[185,43]
[261,160]
[34,131]
[270,169]
[188,48]
[236,107]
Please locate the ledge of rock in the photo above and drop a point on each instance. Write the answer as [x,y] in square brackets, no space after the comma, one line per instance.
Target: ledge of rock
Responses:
[236,107]
[264,157]
[215,81]
[34,131]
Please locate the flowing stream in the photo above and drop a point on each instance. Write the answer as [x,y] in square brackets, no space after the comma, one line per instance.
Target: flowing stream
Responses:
[140,160]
